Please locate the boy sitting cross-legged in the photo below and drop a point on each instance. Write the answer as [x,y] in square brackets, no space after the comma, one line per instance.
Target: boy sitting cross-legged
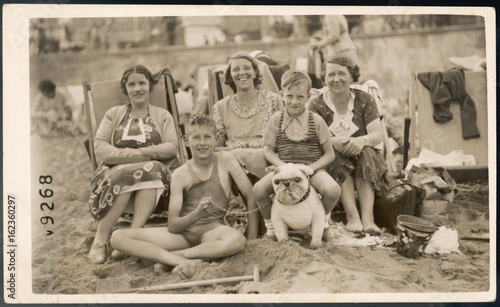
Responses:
[200,192]
[297,136]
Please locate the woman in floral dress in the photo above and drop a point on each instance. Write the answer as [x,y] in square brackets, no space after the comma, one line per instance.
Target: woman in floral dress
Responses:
[135,129]
[242,118]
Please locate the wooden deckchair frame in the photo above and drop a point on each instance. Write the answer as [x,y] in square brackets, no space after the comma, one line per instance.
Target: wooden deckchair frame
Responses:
[163,96]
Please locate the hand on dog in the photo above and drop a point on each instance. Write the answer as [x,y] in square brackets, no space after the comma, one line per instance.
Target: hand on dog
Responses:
[306,169]
[206,207]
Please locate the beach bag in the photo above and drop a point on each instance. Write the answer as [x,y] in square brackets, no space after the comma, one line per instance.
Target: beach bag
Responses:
[401,197]
[439,188]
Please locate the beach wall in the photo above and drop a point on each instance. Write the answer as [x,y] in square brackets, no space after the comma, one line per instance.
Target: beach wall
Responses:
[387,57]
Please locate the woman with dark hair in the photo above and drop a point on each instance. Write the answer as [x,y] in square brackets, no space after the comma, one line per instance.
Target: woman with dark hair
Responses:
[354,122]
[135,129]
[241,118]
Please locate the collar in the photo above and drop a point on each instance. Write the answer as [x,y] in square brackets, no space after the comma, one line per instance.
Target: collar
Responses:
[306,195]
[302,118]
[328,100]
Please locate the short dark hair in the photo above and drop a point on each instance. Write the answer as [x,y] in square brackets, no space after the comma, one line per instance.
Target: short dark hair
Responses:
[199,119]
[229,80]
[343,60]
[46,86]
[138,69]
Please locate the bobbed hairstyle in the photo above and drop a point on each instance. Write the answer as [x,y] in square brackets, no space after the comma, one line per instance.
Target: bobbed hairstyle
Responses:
[295,78]
[345,61]
[229,80]
[46,86]
[137,69]
[199,119]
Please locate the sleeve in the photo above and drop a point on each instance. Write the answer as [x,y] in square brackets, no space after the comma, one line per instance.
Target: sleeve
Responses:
[168,148]
[322,129]
[37,106]
[218,121]
[67,103]
[272,130]
[370,111]
[102,141]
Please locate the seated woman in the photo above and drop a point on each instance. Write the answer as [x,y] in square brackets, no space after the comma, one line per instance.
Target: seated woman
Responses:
[354,122]
[242,118]
[135,129]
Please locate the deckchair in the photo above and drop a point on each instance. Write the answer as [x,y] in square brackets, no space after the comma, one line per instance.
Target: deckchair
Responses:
[442,138]
[99,97]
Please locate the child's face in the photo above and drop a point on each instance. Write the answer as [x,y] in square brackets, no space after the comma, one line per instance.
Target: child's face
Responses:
[201,140]
[295,99]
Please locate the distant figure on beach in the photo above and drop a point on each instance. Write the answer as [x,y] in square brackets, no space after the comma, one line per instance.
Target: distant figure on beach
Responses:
[334,38]
[198,202]
[52,111]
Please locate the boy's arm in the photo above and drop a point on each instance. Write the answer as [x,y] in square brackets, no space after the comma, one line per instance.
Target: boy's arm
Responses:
[271,155]
[327,157]
[176,223]
[245,187]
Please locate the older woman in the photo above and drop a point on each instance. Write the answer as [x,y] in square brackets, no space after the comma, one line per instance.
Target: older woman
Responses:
[354,122]
[134,129]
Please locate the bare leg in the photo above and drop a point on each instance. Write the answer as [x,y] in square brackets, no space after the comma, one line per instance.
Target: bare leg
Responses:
[261,191]
[349,202]
[328,188]
[144,204]
[106,224]
[97,253]
[222,241]
[153,244]
[366,196]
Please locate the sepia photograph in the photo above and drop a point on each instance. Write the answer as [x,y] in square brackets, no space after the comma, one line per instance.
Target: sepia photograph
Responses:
[249,154]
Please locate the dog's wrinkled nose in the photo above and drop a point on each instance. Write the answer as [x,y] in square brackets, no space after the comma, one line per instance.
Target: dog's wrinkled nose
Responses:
[286,183]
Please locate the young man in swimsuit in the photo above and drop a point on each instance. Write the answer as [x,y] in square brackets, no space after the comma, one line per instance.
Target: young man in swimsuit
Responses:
[199,196]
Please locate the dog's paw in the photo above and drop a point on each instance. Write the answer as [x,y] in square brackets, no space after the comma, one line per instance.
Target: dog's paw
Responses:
[316,244]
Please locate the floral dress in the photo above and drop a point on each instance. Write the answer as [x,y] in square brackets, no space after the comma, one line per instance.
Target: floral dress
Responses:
[245,124]
[111,181]
[370,165]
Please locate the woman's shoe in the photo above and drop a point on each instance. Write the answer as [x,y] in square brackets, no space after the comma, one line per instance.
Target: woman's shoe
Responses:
[97,254]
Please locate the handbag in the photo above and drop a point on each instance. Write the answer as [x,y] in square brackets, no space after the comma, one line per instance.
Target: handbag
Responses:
[401,197]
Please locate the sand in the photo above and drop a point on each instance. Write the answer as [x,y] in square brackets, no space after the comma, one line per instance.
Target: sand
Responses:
[60,265]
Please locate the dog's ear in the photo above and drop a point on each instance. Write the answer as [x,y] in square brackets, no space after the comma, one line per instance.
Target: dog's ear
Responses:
[305,169]
[271,169]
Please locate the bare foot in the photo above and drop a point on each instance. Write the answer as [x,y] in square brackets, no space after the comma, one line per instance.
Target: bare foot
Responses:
[187,269]
[354,225]
[371,228]
[159,268]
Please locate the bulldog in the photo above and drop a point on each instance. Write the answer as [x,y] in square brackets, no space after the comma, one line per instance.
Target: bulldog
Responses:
[296,204]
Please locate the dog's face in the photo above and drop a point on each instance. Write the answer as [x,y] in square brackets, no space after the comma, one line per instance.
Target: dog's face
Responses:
[290,183]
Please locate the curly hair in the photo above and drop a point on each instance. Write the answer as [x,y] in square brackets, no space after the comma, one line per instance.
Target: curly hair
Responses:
[345,61]
[199,119]
[229,79]
[137,69]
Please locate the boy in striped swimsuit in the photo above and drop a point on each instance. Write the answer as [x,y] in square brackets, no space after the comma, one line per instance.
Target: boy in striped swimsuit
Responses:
[297,136]
[199,198]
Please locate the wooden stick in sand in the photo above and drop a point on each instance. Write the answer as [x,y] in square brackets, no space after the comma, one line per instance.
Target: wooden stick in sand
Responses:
[255,277]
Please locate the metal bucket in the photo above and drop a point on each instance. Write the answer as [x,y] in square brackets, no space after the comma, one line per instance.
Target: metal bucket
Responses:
[414,234]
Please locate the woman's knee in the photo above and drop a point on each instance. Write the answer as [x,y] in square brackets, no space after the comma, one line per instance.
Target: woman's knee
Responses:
[261,191]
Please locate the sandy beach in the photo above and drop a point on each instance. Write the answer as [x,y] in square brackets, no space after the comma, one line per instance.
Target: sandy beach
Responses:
[60,265]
